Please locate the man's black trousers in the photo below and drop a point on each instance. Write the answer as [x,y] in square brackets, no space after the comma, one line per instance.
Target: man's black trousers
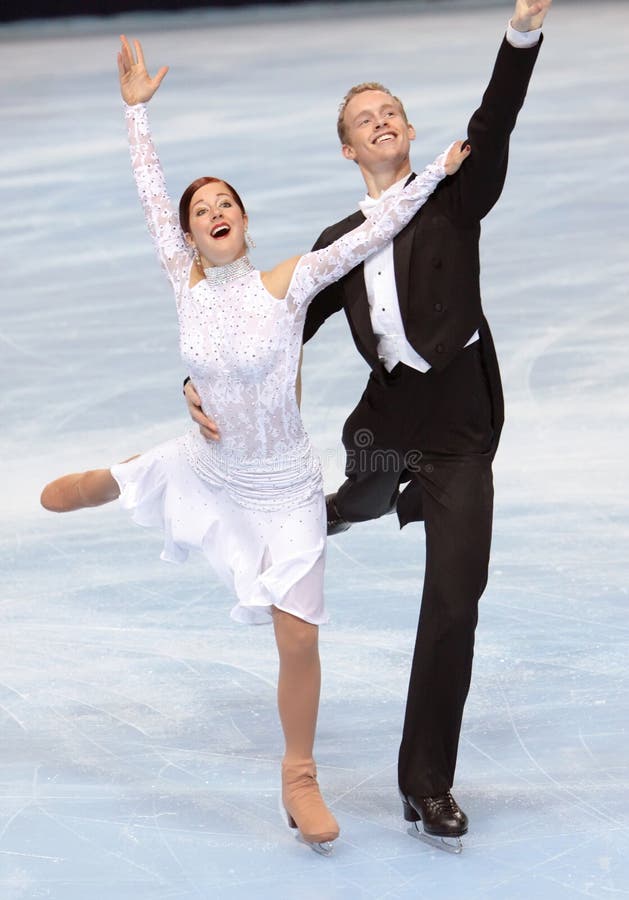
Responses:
[434,429]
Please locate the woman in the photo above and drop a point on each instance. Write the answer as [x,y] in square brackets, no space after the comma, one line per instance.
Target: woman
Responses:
[252,503]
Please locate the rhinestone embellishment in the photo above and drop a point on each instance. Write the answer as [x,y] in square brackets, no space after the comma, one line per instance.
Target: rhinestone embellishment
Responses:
[235,269]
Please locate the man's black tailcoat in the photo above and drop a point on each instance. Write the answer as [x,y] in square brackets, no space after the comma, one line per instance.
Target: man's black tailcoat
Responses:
[437,255]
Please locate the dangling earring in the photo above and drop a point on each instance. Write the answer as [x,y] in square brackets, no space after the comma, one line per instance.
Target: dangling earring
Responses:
[249,240]
[197,258]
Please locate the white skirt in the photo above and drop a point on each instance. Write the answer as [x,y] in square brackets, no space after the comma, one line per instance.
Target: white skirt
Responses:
[268,558]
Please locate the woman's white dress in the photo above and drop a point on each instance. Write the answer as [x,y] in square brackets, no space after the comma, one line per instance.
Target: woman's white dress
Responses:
[253,502]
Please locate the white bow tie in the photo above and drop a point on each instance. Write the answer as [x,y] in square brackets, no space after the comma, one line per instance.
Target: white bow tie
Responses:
[368,204]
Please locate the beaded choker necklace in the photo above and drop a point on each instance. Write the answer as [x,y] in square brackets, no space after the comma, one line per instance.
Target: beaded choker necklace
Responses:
[235,269]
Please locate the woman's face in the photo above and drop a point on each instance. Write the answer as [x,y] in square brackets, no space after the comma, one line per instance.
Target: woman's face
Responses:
[217,225]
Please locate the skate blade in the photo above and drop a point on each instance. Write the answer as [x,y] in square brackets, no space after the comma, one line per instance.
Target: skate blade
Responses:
[325,848]
[450,845]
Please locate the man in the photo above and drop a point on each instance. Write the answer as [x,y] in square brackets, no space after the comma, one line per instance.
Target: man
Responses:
[432,411]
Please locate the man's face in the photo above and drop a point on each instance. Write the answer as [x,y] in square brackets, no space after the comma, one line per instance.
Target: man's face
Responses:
[377,134]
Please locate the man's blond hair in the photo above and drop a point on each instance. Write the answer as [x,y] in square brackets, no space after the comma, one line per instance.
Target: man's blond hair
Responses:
[360,89]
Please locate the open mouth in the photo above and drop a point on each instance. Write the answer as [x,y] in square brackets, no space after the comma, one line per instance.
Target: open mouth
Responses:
[383,138]
[220,231]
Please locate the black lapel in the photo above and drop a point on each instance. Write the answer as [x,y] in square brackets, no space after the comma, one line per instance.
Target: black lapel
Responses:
[356,302]
[402,247]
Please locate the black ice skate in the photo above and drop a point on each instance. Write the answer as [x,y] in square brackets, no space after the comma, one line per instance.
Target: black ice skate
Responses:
[443,822]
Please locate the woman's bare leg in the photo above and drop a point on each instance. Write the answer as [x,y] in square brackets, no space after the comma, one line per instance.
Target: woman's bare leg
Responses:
[298,689]
[299,683]
[81,489]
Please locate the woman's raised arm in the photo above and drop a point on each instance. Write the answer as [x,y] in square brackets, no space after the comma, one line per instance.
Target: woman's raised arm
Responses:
[137,87]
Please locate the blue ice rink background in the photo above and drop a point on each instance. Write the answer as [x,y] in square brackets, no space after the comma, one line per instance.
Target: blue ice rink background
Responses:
[139,741]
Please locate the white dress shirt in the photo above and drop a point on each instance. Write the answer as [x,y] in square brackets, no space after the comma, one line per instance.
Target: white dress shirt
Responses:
[384,306]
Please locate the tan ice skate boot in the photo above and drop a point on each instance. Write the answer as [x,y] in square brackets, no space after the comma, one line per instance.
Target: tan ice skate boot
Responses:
[305,808]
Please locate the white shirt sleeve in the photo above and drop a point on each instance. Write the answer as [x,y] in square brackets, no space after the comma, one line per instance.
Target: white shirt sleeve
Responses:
[523,39]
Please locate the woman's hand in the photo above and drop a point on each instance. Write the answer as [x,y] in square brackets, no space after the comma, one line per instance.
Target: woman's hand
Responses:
[136,85]
[458,153]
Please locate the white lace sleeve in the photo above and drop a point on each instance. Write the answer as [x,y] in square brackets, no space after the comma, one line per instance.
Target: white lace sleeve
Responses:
[160,213]
[319,268]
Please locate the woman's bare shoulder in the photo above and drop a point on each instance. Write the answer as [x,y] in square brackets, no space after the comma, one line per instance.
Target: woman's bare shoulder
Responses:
[278,279]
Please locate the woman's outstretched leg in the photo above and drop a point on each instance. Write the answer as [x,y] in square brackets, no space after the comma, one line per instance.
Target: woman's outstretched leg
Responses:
[81,489]
[298,691]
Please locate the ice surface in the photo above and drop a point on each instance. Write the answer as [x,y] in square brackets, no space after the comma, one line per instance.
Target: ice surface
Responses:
[139,745]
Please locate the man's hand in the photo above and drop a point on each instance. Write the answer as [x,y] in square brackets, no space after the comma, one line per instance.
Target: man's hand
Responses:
[207,427]
[529,14]
[136,85]
[458,153]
